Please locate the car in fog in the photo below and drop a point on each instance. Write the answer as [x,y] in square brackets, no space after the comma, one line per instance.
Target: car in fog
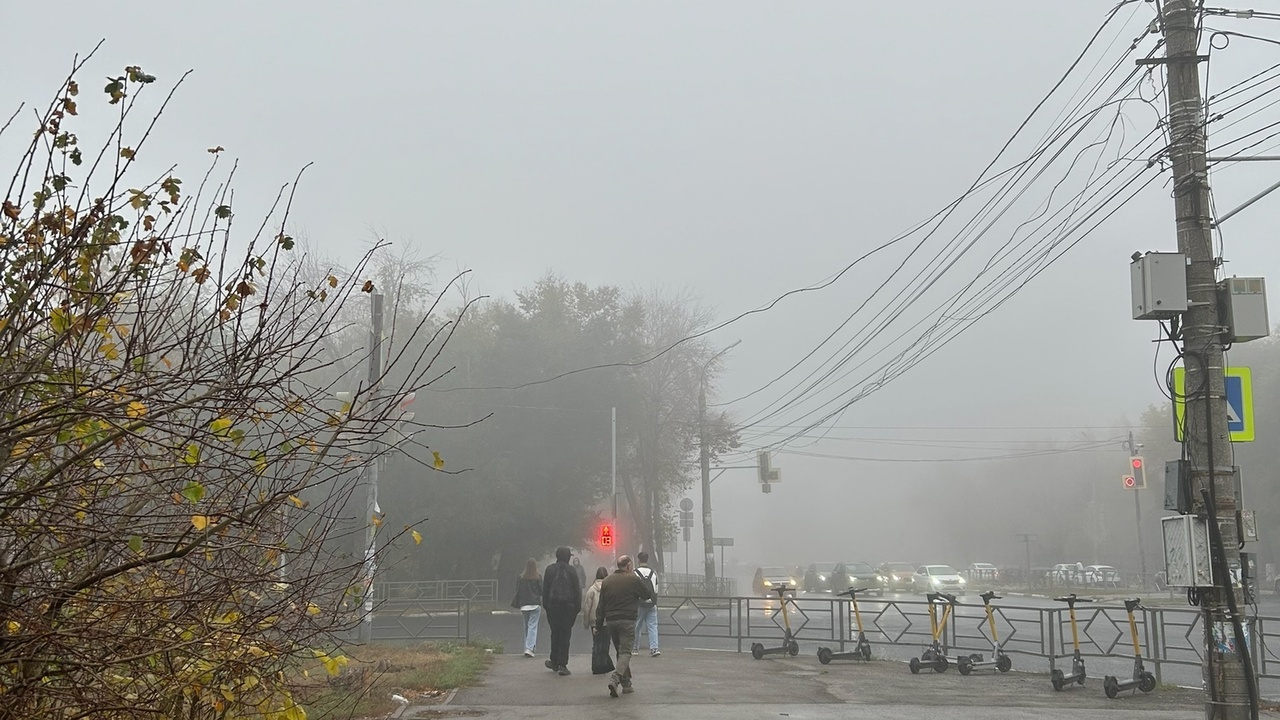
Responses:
[1102,576]
[897,575]
[938,578]
[1065,574]
[771,577]
[857,575]
[979,571]
[819,577]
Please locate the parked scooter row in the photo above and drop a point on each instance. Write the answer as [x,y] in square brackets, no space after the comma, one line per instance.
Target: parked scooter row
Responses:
[941,608]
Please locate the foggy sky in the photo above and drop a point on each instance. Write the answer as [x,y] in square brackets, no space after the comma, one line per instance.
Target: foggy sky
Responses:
[738,148]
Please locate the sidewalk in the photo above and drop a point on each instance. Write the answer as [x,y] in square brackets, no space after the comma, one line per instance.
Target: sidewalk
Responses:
[711,685]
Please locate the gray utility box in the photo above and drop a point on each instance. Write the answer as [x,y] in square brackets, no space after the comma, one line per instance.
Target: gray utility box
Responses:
[1159,285]
[1243,303]
[1186,551]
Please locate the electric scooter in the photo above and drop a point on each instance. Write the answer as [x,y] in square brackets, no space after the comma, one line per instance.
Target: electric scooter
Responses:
[1077,662]
[935,655]
[789,645]
[861,651]
[1143,680]
[999,660]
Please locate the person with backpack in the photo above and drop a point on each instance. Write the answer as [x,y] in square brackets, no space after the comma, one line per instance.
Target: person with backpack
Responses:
[562,601]
[647,609]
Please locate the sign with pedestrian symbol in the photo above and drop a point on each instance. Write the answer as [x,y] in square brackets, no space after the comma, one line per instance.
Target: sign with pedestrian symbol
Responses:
[1239,392]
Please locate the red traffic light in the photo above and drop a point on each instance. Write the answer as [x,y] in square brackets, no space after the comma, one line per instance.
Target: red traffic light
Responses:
[606,535]
[1129,482]
[1137,463]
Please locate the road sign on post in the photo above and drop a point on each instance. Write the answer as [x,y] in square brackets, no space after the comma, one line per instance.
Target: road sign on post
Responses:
[606,535]
[1238,386]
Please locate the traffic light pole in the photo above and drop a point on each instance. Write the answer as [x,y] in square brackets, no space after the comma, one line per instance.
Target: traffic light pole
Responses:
[613,447]
[1142,554]
[1227,666]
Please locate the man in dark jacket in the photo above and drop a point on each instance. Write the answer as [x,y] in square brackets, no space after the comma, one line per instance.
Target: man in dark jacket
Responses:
[562,600]
[620,595]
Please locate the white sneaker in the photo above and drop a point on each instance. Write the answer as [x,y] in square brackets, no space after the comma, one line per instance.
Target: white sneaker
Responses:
[528,653]
[654,653]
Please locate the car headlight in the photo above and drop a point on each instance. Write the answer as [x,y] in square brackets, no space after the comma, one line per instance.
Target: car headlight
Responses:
[823,578]
[935,581]
[962,581]
[879,578]
[768,582]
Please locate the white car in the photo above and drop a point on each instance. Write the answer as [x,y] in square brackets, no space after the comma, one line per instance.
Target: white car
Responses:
[1102,576]
[938,578]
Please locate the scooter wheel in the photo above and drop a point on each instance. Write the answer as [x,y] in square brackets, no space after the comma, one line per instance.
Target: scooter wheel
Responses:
[940,664]
[1004,663]
[757,650]
[964,665]
[793,648]
[1055,677]
[824,655]
[1147,683]
[866,652]
[1110,686]
[915,666]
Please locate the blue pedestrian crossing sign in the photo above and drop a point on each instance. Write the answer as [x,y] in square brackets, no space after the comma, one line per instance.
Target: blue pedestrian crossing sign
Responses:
[1239,391]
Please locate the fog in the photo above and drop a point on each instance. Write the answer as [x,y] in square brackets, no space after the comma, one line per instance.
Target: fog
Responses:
[736,150]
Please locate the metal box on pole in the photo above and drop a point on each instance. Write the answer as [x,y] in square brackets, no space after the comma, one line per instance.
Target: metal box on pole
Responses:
[1158,282]
[1242,303]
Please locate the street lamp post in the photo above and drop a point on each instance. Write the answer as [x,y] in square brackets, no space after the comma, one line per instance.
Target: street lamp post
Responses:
[705,462]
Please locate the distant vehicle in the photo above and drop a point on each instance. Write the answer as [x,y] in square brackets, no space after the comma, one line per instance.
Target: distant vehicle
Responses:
[938,578]
[768,578]
[986,572]
[857,574]
[1064,574]
[818,577]
[897,575]
[1102,576]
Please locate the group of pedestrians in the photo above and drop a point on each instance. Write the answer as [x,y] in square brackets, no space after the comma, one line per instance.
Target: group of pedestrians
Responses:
[616,607]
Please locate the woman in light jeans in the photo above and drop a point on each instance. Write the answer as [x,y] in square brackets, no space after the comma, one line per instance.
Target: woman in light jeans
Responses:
[529,600]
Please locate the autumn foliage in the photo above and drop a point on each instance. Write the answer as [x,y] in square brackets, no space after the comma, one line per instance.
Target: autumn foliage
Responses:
[176,528]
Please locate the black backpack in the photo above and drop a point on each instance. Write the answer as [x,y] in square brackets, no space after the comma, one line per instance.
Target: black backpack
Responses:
[562,585]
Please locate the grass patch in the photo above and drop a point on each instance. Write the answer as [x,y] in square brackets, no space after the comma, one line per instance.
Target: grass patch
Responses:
[421,673]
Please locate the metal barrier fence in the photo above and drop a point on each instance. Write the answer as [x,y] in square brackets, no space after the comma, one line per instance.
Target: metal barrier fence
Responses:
[475,591]
[418,620]
[682,585]
[1172,638]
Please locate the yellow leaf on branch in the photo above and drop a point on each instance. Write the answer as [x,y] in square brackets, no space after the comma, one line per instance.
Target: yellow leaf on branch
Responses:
[200,522]
[135,409]
[436,461]
[417,537]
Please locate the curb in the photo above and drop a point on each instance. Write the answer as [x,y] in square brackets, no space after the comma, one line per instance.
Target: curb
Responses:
[415,709]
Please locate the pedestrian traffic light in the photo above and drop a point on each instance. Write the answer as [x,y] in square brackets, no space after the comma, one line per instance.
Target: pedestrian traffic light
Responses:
[606,535]
[1138,471]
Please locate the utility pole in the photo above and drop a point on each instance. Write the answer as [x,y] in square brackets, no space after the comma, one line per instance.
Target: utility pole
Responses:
[371,471]
[613,449]
[1026,539]
[1208,444]
[704,459]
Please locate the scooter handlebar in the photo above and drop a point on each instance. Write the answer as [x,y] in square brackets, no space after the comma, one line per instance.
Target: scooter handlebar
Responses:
[936,596]
[1072,599]
[1131,605]
[990,595]
[853,591]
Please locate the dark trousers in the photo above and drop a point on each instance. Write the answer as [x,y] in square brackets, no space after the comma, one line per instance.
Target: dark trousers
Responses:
[561,620]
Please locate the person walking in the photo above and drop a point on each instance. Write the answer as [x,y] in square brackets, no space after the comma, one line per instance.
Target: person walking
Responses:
[620,595]
[600,662]
[528,599]
[582,573]
[562,599]
[647,609]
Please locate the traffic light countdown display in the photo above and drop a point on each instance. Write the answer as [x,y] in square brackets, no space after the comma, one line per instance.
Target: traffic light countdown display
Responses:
[1136,478]
[606,536]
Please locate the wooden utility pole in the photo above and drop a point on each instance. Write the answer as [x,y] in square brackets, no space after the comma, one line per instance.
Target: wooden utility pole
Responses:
[1208,442]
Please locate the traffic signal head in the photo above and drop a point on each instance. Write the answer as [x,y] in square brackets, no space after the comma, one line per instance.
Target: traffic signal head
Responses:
[606,535]
[1137,471]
